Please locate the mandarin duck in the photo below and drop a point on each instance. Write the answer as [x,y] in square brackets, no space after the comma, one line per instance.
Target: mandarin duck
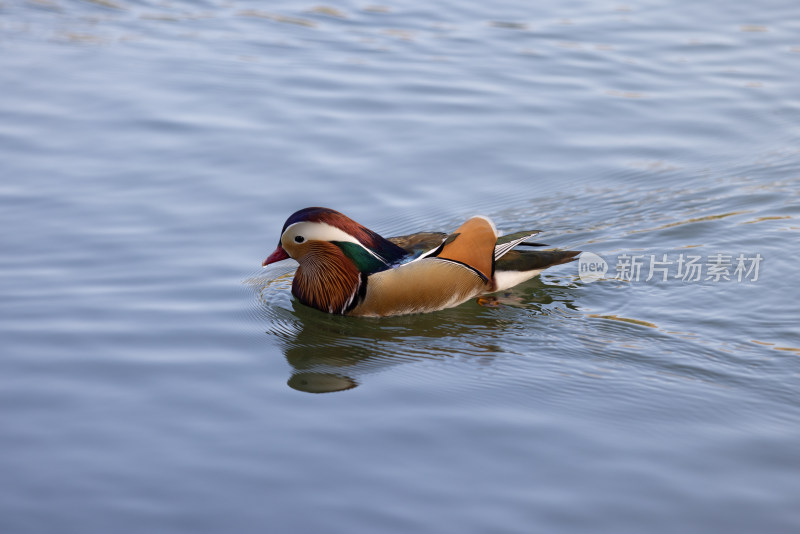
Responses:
[347,269]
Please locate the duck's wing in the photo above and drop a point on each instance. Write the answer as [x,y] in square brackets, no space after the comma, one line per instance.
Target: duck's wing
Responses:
[507,242]
[472,244]
[517,266]
[419,243]
[455,271]
[527,260]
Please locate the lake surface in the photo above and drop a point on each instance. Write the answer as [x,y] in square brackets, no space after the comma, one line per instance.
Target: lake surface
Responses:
[154,378]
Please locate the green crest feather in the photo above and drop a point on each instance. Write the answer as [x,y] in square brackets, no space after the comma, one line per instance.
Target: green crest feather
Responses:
[364,261]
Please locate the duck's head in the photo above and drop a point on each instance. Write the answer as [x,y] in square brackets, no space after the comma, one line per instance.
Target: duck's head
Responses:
[335,254]
[309,233]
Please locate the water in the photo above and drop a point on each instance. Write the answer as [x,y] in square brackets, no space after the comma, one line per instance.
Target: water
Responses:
[154,379]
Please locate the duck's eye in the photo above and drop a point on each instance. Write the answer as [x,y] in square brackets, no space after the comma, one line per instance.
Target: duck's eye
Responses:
[299,239]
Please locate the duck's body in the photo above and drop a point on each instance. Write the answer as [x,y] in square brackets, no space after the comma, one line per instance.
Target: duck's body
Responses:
[348,269]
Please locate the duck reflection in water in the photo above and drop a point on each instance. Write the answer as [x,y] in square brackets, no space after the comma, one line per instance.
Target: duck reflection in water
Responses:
[331,353]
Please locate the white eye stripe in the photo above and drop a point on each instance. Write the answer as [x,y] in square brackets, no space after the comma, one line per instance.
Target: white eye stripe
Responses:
[319,231]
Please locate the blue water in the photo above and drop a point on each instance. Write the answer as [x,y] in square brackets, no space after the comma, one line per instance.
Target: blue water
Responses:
[153,378]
